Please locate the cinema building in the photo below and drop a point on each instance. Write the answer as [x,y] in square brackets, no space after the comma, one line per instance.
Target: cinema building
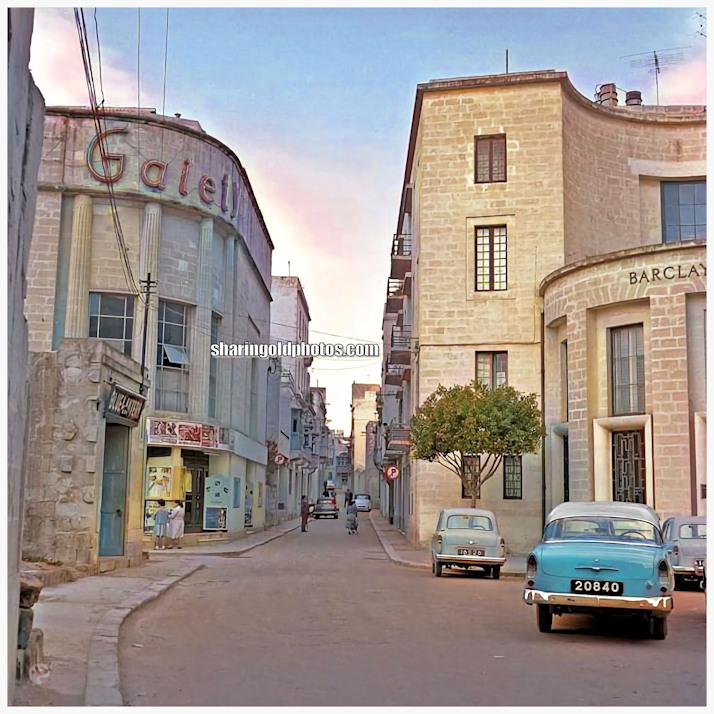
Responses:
[140,198]
[558,245]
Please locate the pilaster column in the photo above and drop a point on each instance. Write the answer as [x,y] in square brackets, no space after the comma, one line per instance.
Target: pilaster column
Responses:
[77,315]
[225,366]
[148,263]
[201,332]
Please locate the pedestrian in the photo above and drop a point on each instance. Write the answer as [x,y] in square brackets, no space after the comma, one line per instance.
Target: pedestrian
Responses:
[304,513]
[351,520]
[161,520]
[176,524]
[348,498]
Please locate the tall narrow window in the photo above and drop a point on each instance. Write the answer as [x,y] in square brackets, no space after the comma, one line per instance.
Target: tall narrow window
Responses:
[627,370]
[213,369]
[512,477]
[491,257]
[564,380]
[684,210]
[492,368]
[490,158]
[172,363]
[111,318]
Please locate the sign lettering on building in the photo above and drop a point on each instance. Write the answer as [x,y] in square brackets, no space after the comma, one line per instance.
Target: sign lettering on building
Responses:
[123,406]
[186,434]
[671,272]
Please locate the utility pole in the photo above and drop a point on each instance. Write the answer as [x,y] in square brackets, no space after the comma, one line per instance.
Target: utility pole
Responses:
[147,286]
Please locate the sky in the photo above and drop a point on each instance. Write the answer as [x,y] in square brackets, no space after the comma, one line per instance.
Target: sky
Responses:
[317,104]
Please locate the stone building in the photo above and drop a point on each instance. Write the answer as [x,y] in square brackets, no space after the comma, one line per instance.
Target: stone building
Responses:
[143,197]
[365,478]
[24,149]
[555,244]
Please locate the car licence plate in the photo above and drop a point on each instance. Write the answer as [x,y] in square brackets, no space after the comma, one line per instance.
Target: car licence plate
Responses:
[469,551]
[601,587]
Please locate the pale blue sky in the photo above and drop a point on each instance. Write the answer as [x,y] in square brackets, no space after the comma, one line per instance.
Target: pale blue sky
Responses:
[317,103]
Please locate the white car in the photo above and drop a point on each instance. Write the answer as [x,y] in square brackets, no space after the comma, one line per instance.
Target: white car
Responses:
[363,501]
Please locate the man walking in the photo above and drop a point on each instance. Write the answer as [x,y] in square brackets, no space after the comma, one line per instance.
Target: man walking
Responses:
[304,513]
[348,498]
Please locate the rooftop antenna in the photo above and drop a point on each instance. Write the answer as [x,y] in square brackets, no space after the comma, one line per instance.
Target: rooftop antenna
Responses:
[657,61]
[288,268]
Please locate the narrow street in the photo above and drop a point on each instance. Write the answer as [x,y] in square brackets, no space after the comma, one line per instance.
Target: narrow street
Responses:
[324,619]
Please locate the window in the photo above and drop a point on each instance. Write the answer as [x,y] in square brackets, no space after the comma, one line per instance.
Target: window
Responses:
[172,358]
[492,368]
[627,367]
[512,477]
[479,523]
[684,210]
[213,368]
[111,318]
[565,405]
[693,530]
[490,158]
[491,258]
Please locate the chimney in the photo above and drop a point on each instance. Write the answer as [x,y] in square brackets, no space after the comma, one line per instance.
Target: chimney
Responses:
[633,99]
[607,95]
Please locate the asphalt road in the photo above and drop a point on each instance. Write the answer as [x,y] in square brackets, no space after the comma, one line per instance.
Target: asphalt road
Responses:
[324,619]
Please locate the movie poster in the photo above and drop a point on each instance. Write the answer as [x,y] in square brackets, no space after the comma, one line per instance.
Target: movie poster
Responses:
[158,482]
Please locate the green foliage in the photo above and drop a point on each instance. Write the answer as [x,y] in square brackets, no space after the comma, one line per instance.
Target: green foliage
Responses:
[470,420]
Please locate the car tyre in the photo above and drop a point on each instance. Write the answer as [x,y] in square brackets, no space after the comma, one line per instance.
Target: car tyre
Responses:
[545,618]
[496,572]
[438,567]
[658,627]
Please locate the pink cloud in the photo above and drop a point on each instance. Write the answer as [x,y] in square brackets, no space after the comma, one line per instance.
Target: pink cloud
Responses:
[685,83]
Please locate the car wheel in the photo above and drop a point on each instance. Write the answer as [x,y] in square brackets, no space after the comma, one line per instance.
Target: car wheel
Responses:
[438,566]
[659,628]
[496,572]
[545,618]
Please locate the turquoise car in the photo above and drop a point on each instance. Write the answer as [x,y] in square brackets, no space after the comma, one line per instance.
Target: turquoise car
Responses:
[601,557]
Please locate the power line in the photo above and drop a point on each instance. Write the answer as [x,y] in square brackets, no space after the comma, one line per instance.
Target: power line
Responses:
[163,107]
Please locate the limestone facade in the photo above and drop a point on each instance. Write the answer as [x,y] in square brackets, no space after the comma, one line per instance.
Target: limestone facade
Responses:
[580,180]
[157,196]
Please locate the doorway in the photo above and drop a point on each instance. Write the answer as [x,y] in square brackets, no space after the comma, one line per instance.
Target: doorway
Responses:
[112,520]
[628,466]
[196,463]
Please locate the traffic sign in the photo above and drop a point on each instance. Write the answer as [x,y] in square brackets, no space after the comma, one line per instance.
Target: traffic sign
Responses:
[392,472]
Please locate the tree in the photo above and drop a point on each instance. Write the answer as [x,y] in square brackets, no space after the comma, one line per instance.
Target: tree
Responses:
[456,425]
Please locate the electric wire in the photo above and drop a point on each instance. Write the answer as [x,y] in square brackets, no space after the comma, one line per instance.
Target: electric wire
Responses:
[163,106]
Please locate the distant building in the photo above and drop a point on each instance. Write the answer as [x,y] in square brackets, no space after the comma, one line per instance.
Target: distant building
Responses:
[557,245]
[149,196]
[365,476]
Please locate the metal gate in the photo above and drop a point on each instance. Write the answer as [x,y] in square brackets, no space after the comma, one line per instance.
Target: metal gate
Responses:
[114,479]
[196,463]
[628,466]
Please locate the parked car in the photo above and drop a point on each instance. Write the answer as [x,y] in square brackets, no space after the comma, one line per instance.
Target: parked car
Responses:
[601,557]
[325,508]
[467,537]
[363,501]
[686,541]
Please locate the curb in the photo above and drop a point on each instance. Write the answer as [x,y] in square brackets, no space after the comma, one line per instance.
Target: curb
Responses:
[103,685]
[392,555]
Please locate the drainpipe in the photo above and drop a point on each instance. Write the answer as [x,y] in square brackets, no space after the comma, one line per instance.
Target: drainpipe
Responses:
[542,417]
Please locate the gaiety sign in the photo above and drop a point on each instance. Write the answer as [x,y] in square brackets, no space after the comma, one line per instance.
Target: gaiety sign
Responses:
[670,272]
[221,191]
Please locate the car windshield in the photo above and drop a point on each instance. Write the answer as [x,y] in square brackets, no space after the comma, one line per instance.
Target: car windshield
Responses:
[480,523]
[602,528]
[693,530]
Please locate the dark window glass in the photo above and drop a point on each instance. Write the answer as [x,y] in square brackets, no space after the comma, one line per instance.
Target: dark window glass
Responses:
[490,159]
[491,258]
[172,361]
[627,370]
[684,211]
[213,369]
[512,477]
[492,368]
[111,318]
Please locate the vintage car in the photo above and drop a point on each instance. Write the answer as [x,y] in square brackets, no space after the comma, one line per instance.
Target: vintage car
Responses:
[468,538]
[686,541]
[325,508]
[363,501]
[601,557]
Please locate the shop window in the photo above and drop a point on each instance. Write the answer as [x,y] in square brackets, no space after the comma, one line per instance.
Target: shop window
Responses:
[513,477]
[684,211]
[491,259]
[490,159]
[492,369]
[213,369]
[111,318]
[627,370]
[172,361]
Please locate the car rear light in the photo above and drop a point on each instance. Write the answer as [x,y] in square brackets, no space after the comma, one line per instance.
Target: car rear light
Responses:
[675,555]
[531,567]
[665,577]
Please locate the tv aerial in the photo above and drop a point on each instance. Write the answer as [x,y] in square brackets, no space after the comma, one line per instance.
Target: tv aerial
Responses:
[657,61]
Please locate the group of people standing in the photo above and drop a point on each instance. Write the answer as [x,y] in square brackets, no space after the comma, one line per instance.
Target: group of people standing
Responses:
[306,509]
[169,525]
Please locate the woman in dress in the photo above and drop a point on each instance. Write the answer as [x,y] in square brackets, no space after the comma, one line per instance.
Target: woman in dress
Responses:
[161,519]
[351,520]
[176,524]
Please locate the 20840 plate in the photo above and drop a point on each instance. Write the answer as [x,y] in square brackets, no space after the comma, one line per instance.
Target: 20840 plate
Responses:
[597,587]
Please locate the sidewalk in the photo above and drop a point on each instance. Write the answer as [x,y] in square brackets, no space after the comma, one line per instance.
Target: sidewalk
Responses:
[401,552]
[81,620]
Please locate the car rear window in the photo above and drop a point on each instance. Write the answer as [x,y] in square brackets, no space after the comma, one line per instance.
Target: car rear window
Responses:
[480,523]
[602,528]
[693,530]
[363,498]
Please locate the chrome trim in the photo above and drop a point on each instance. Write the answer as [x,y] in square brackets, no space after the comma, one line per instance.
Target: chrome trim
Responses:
[649,543]
[473,559]
[662,603]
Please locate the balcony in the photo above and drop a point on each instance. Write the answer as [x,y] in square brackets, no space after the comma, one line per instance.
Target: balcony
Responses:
[398,439]
[401,255]
[393,374]
[401,338]
[395,295]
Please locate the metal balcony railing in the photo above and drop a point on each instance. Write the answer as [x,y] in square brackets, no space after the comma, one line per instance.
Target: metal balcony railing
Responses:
[395,287]
[402,244]
[401,337]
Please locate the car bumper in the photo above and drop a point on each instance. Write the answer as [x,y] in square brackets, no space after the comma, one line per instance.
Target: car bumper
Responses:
[364,509]
[688,570]
[469,559]
[661,603]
